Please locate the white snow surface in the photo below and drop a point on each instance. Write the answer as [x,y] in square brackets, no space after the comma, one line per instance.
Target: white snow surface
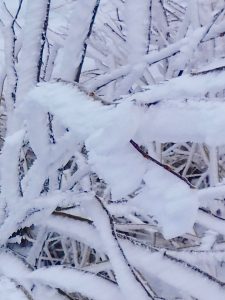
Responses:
[130,287]
[176,274]
[169,199]
[179,87]
[30,51]
[73,280]
[181,121]
[74,45]
[9,290]
[107,131]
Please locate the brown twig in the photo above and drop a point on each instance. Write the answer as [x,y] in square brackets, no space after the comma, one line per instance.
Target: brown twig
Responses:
[165,167]
[77,218]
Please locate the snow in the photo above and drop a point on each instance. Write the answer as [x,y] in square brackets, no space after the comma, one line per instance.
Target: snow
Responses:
[32,212]
[107,132]
[30,51]
[76,229]
[136,14]
[115,160]
[211,222]
[74,45]
[12,267]
[9,290]
[73,183]
[49,293]
[175,274]
[126,69]
[215,64]
[102,123]
[137,20]
[75,101]
[212,192]
[170,120]
[130,287]
[8,172]
[179,88]
[169,200]
[73,280]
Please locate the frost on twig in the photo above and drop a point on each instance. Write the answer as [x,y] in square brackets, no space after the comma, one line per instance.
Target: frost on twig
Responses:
[112,169]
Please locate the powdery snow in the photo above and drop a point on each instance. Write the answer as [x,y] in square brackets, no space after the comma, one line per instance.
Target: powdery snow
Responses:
[73,280]
[107,131]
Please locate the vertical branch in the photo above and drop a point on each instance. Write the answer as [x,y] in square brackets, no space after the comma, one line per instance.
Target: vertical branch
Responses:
[138,23]
[43,40]
[13,51]
[34,36]
[194,14]
[149,27]
[77,78]
[80,28]
[50,61]
[213,166]
[12,76]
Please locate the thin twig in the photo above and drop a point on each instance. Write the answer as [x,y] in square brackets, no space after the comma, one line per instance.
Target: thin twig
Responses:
[43,40]
[114,235]
[77,78]
[165,167]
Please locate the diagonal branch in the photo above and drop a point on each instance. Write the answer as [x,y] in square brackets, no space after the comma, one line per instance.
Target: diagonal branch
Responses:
[165,167]
[117,255]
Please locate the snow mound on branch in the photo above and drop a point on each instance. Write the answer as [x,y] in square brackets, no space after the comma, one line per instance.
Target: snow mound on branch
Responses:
[111,154]
[9,290]
[184,121]
[179,88]
[106,132]
[170,201]
[72,280]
